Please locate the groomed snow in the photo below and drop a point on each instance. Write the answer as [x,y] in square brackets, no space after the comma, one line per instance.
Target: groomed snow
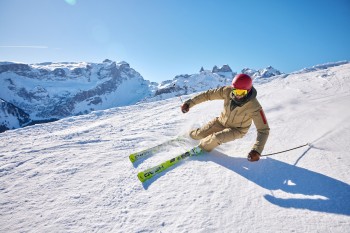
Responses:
[74,175]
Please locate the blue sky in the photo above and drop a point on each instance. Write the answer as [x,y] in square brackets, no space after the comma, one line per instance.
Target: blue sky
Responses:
[164,38]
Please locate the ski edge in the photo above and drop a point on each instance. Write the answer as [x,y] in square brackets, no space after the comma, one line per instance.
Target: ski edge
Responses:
[134,157]
[151,172]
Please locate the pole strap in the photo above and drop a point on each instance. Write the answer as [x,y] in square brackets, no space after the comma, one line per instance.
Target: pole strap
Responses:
[307,144]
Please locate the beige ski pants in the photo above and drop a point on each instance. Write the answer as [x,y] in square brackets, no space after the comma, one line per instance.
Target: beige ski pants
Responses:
[214,134]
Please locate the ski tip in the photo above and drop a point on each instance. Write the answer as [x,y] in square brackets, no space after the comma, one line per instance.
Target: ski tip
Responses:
[141,177]
[132,158]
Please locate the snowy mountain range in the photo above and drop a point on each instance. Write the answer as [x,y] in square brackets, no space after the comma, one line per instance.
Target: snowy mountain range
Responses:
[36,93]
[50,91]
[74,175]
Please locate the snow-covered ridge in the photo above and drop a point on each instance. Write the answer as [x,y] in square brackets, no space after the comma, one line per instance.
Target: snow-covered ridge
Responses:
[321,67]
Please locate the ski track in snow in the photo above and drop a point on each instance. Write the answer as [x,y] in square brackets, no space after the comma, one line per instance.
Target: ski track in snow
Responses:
[74,175]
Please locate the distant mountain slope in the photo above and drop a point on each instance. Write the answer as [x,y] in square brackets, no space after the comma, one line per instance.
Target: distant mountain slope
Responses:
[56,90]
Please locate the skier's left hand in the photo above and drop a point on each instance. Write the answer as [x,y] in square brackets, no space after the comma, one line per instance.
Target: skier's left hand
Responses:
[185,107]
[253,156]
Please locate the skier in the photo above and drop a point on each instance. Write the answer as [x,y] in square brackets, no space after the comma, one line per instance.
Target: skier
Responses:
[240,108]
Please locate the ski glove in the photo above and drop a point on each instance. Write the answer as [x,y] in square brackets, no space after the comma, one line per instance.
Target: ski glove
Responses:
[185,108]
[253,156]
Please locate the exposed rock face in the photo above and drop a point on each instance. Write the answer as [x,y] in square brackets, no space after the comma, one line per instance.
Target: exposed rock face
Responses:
[11,116]
[224,68]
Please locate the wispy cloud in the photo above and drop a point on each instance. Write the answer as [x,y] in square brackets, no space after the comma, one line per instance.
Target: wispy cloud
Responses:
[25,46]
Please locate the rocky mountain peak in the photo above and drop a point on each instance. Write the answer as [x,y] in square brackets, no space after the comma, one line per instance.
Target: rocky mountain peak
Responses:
[224,68]
[262,73]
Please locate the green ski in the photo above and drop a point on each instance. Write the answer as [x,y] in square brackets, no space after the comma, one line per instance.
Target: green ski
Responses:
[147,152]
[149,173]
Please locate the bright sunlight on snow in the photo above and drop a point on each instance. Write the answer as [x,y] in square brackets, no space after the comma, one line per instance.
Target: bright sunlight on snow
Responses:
[74,175]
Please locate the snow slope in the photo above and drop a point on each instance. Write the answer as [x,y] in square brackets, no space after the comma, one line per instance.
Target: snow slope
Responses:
[74,175]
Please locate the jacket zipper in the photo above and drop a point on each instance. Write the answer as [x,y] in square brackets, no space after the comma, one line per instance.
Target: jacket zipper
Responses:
[243,119]
[233,117]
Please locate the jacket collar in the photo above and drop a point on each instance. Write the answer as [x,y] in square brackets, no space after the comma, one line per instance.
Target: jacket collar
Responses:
[240,102]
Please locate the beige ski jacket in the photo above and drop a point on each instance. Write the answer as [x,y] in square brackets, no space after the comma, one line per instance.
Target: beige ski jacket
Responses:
[238,114]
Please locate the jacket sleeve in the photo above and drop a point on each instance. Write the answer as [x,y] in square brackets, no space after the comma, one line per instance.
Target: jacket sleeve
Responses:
[213,94]
[262,128]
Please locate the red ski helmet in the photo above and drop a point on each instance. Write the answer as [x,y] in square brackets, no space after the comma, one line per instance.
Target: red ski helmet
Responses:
[242,82]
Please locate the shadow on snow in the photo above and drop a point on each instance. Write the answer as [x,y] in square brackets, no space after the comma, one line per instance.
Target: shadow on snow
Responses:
[272,174]
[316,192]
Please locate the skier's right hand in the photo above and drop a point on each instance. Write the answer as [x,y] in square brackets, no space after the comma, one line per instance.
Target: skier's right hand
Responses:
[185,108]
[253,156]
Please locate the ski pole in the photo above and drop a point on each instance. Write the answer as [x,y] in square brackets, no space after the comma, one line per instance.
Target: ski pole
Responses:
[181,99]
[307,144]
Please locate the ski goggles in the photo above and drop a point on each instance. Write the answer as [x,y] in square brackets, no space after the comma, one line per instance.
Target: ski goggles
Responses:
[239,92]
